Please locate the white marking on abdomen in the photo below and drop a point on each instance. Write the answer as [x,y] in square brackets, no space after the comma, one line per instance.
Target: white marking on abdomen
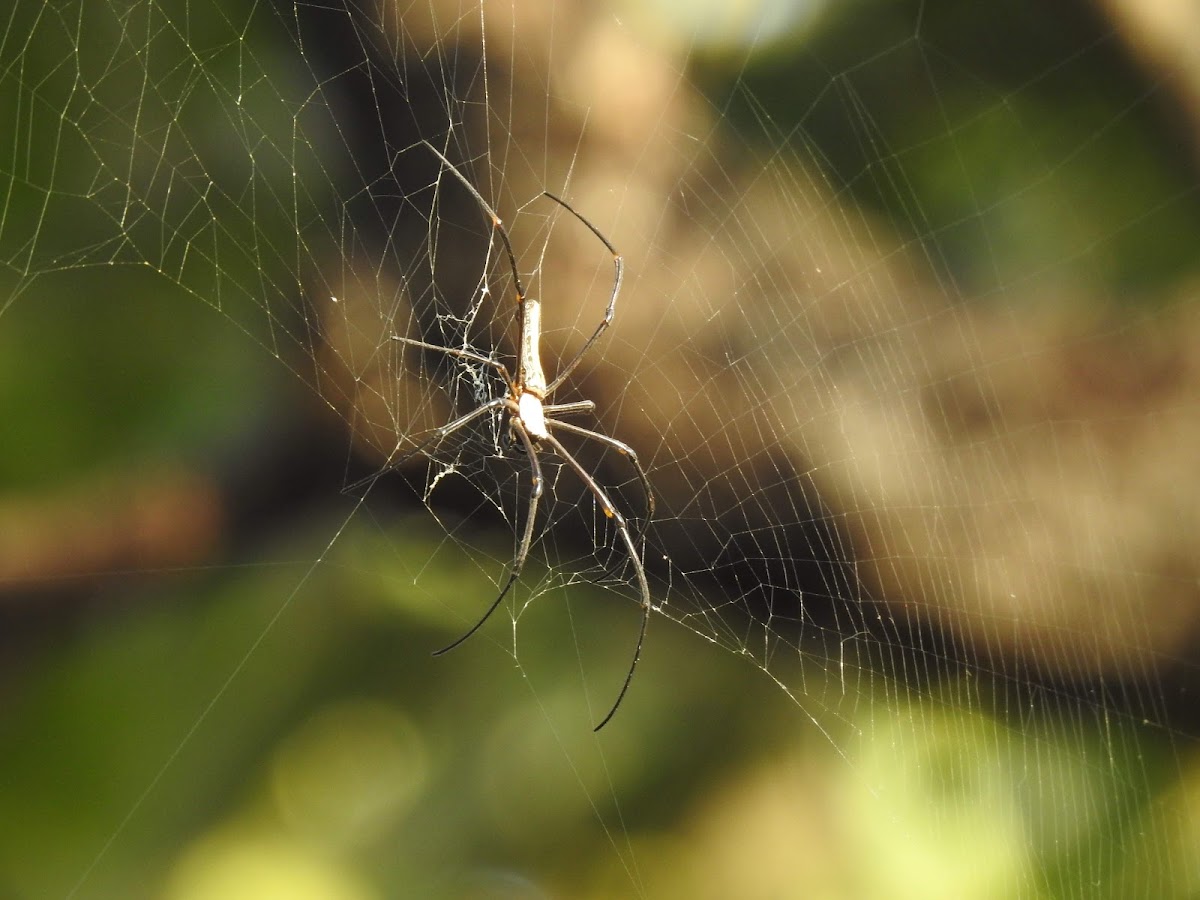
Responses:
[533,417]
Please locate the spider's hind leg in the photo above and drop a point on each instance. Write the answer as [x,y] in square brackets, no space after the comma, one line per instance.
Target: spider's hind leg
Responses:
[618,520]
[518,563]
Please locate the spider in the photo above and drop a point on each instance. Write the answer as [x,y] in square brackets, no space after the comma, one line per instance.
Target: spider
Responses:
[533,421]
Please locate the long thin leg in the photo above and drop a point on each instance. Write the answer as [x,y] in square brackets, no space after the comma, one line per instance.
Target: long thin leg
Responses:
[435,436]
[637,651]
[526,539]
[566,409]
[623,529]
[462,354]
[626,451]
[618,267]
[498,227]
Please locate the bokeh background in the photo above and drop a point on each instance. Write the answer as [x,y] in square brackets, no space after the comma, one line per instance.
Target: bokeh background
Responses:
[909,346]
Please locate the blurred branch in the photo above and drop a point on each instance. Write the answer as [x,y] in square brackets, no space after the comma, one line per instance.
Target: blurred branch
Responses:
[61,549]
[113,525]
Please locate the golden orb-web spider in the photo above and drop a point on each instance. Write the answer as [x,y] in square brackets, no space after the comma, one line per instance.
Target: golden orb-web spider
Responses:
[534,421]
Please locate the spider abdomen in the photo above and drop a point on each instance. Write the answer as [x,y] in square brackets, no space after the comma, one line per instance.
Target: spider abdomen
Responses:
[533,417]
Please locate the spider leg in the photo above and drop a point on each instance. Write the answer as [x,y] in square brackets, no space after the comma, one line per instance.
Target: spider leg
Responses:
[637,651]
[435,436]
[449,428]
[626,451]
[566,409]
[497,226]
[460,353]
[639,570]
[609,312]
[526,539]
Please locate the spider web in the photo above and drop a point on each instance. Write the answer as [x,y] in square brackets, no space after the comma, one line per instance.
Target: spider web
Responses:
[906,345]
